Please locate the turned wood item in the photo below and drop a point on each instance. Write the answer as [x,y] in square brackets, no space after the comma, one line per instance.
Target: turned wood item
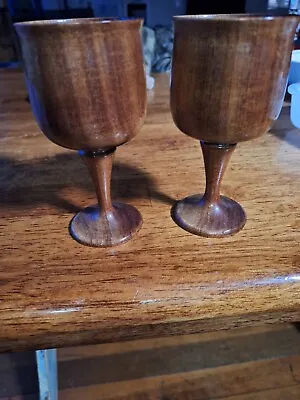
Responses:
[165,282]
[86,85]
[106,223]
[229,77]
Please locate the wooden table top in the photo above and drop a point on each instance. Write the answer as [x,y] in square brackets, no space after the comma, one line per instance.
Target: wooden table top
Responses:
[55,292]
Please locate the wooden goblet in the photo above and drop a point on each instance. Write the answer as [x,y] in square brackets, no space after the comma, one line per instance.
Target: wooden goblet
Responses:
[86,84]
[229,77]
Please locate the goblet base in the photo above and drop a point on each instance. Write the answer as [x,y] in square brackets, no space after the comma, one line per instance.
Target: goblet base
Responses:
[200,217]
[96,228]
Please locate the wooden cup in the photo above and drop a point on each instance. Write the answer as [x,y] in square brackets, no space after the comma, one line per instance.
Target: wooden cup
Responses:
[229,77]
[86,85]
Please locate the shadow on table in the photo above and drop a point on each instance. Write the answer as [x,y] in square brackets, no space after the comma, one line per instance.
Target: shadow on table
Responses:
[297,326]
[285,130]
[54,181]
[291,137]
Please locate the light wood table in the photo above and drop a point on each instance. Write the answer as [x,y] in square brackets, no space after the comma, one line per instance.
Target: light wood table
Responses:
[55,292]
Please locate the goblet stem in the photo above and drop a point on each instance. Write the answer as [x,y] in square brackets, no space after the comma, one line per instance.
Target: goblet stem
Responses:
[105,224]
[216,158]
[99,165]
[211,214]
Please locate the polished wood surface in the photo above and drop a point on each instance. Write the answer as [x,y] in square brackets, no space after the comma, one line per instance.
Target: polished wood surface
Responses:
[104,224]
[228,85]
[87,84]
[210,214]
[55,292]
[228,82]
[87,91]
[256,363]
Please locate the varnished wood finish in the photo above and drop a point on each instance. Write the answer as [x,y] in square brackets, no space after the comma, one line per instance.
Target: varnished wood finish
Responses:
[260,362]
[229,74]
[166,281]
[87,84]
[87,90]
[229,77]
[210,214]
[105,224]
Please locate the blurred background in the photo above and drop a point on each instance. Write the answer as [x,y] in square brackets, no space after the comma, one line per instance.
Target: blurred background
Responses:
[157,39]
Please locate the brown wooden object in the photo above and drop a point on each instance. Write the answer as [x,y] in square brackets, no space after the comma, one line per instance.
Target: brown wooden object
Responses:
[228,83]
[55,292]
[86,85]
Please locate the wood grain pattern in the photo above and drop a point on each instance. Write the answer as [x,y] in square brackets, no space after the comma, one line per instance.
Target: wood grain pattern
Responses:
[210,214]
[104,224]
[241,362]
[239,379]
[216,365]
[228,85]
[87,84]
[87,90]
[55,292]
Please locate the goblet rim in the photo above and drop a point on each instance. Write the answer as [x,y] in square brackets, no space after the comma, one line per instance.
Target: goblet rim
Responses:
[69,22]
[234,17]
